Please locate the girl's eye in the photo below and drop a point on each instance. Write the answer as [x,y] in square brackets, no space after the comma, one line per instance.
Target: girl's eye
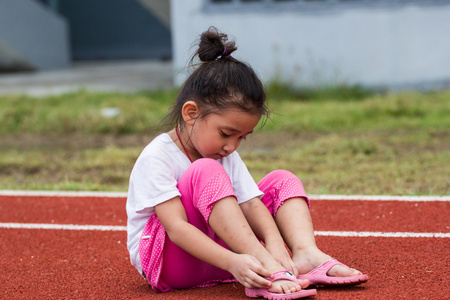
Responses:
[224,134]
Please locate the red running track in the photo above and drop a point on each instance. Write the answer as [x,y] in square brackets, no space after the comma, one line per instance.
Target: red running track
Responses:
[92,264]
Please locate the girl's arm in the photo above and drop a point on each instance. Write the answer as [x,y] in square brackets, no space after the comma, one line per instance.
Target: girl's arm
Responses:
[265,228]
[243,267]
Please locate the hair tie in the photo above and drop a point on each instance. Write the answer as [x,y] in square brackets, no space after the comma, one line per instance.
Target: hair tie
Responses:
[224,50]
[221,55]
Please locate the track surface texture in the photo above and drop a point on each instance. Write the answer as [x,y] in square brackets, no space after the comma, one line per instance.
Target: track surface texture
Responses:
[42,257]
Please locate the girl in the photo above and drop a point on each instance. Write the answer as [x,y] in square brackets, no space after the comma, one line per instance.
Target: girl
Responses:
[196,217]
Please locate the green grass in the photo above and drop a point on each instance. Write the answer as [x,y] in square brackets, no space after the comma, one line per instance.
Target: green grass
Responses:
[374,163]
[61,168]
[82,113]
[377,112]
[339,140]
[139,113]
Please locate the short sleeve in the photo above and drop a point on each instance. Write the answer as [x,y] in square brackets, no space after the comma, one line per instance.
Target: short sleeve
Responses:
[152,181]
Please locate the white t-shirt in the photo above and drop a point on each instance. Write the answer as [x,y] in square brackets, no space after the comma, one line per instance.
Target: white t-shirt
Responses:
[154,180]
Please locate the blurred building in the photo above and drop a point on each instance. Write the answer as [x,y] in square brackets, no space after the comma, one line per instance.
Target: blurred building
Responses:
[31,37]
[378,43]
[49,34]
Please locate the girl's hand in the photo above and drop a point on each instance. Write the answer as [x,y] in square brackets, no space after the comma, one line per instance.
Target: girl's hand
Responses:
[281,255]
[249,271]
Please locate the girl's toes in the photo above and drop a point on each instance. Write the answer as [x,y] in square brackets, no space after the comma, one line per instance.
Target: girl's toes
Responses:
[293,289]
[276,289]
[297,289]
[304,283]
[352,272]
[341,271]
[287,288]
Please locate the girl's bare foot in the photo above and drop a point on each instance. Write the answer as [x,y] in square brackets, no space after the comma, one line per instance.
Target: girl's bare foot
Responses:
[307,260]
[287,286]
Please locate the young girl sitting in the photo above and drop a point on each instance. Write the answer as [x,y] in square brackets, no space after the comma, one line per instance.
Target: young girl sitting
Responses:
[195,215]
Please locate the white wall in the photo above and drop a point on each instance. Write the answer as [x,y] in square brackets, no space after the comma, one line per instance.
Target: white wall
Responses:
[398,47]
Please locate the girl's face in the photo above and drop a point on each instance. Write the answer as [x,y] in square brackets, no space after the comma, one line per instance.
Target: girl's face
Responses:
[219,134]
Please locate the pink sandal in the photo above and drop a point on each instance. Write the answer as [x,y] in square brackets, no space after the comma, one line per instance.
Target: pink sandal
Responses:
[286,275]
[319,276]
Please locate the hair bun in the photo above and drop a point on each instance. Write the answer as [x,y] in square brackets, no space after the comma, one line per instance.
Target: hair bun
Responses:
[213,45]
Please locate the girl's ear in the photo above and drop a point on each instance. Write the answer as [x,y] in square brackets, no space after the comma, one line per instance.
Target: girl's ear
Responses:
[190,112]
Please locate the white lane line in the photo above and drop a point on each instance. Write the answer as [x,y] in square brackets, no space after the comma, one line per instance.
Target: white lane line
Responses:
[63,194]
[383,234]
[381,198]
[62,226]
[311,197]
[317,233]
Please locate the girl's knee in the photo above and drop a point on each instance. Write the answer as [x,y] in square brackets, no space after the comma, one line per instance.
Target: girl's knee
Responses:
[277,177]
[204,183]
[205,162]
[282,175]
[278,186]
[207,166]
[200,172]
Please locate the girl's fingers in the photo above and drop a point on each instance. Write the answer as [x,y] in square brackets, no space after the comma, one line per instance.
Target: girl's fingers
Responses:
[290,266]
[263,272]
[260,282]
[258,276]
[294,269]
[255,281]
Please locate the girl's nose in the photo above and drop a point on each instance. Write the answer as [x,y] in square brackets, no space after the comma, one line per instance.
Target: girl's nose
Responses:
[231,146]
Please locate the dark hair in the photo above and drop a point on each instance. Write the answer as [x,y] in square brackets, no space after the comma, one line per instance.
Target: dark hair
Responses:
[220,81]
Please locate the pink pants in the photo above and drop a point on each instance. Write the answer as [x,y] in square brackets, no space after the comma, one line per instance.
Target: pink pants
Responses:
[169,267]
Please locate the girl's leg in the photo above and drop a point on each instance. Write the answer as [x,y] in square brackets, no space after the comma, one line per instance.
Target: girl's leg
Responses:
[299,237]
[287,201]
[203,183]
[211,206]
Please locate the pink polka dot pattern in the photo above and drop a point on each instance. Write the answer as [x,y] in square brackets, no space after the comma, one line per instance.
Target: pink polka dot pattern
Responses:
[217,188]
[289,188]
[278,186]
[153,236]
[150,251]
